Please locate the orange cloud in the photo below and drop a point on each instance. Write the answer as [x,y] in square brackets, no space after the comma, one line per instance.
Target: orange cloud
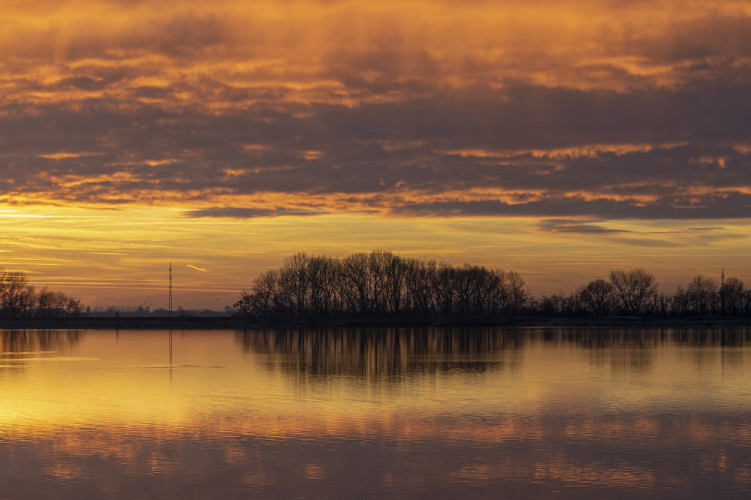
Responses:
[226,53]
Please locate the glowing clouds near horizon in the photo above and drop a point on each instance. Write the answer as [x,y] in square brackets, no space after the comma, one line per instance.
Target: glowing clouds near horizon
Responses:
[576,115]
[120,257]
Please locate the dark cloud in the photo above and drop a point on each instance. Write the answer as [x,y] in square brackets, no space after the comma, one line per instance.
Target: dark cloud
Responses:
[648,242]
[151,92]
[568,226]
[81,82]
[716,36]
[705,229]
[250,213]
[735,206]
[682,165]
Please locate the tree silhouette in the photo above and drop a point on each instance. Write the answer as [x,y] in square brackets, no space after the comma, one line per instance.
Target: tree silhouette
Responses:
[599,296]
[634,287]
[702,294]
[732,293]
[381,283]
[18,299]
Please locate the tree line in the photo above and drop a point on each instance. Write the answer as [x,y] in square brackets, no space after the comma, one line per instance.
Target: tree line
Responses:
[634,292]
[381,283]
[18,299]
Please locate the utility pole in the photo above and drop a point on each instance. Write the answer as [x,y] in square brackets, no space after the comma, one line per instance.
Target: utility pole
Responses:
[170,289]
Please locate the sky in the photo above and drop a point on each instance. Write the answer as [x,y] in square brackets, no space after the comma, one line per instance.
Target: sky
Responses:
[559,139]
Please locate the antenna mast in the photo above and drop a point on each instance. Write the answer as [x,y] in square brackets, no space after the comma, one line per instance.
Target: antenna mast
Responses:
[170,289]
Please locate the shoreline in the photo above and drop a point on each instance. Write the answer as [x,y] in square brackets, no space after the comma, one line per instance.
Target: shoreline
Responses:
[238,323]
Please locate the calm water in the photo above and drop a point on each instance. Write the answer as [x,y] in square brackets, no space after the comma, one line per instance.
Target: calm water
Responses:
[437,413]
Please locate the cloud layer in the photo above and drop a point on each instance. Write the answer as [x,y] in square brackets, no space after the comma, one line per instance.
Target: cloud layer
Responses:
[594,110]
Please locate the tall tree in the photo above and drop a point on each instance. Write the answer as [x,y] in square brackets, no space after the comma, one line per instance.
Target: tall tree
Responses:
[16,296]
[599,296]
[702,294]
[634,287]
[732,293]
[357,274]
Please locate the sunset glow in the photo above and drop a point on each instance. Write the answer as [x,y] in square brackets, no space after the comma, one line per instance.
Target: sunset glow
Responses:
[559,139]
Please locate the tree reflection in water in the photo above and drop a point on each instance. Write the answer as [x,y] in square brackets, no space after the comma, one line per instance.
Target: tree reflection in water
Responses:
[16,345]
[393,353]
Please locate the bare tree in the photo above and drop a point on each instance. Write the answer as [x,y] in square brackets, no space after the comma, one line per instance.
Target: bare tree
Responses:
[294,280]
[394,285]
[263,295]
[387,275]
[357,274]
[418,277]
[679,301]
[465,280]
[51,304]
[499,295]
[321,272]
[732,296]
[16,296]
[73,307]
[634,287]
[599,296]
[444,287]
[702,294]
[517,291]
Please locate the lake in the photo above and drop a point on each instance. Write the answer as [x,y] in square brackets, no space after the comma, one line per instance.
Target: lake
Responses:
[376,413]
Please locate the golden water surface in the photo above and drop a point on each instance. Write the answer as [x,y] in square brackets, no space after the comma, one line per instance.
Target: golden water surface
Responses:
[437,413]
